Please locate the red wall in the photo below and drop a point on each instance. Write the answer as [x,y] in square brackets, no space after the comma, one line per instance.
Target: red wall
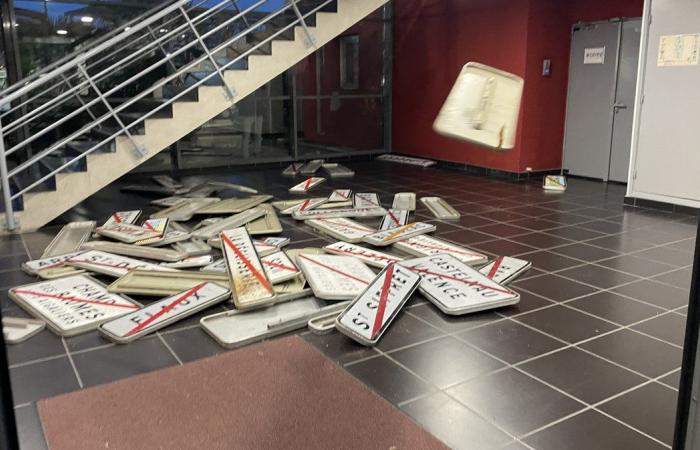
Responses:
[434,39]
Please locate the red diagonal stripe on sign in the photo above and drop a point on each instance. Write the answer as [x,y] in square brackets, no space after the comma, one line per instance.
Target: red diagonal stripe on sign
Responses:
[260,277]
[305,204]
[74,299]
[308,183]
[333,269]
[117,218]
[393,217]
[167,308]
[468,283]
[368,198]
[444,249]
[383,297]
[353,227]
[496,264]
[147,224]
[279,266]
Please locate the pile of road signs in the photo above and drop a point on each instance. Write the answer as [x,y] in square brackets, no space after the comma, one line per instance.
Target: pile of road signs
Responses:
[138,273]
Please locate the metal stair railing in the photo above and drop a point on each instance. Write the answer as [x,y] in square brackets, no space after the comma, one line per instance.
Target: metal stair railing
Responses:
[186,38]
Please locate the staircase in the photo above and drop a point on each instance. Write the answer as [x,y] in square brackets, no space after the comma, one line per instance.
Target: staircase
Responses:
[70,131]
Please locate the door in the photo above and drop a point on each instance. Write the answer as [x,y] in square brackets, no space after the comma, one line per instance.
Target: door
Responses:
[623,107]
[590,99]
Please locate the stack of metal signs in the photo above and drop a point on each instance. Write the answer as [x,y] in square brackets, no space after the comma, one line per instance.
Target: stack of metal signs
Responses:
[200,250]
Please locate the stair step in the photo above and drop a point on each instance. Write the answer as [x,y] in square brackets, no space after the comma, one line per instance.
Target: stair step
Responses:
[77,147]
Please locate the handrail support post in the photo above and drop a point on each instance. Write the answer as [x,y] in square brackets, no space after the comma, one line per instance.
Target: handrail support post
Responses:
[310,41]
[5,184]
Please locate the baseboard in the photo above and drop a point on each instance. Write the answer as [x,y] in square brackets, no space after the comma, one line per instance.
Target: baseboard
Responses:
[663,206]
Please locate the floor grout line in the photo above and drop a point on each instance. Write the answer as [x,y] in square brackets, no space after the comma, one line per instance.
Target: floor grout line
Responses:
[72,363]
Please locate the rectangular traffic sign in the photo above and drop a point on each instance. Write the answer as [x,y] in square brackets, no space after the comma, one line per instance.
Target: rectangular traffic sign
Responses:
[233,205]
[159,226]
[338,212]
[152,283]
[279,267]
[192,247]
[217,266]
[190,262]
[505,269]
[267,224]
[306,185]
[34,266]
[405,200]
[366,200]
[235,221]
[371,257]
[69,238]
[304,205]
[387,237]
[137,251]
[341,228]
[440,208]
[72,305]
[128,217]
[183,211]
[371,313]
[455,288]
[110,264]
[340,195]
[292,169]
[334,277]
[164,312]
[394,218]
[425,245]
[167,202]
[249,284]
[126,233]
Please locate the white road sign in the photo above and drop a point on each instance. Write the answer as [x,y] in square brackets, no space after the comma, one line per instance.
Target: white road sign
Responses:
[341,228]
[164,312]
[306,205]
[72,305]
[425,245]
[366,200]
[109,264]
[306,185]
[334,277]
[369,256]
[340,195]
[386,237]
[505,269]
[371,313]
[34,266]
[279,267]
[126,233]
[394,218]
[128,217]
[338,212]
[456,288]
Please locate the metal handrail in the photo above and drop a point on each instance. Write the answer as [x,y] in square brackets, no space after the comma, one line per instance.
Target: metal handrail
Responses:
[78,71]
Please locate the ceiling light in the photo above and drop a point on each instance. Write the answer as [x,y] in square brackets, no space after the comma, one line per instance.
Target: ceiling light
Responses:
[86,19]
[61,32]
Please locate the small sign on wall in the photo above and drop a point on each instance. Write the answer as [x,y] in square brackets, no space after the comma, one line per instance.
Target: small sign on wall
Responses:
[594,55]
[679,50]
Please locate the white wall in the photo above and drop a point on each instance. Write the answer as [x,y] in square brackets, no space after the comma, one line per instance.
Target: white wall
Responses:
[665,162]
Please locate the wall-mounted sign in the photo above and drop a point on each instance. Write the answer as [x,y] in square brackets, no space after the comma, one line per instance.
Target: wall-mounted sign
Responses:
[679,50]
[594,55]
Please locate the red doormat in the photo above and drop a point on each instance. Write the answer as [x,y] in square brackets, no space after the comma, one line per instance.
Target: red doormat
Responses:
[280,394]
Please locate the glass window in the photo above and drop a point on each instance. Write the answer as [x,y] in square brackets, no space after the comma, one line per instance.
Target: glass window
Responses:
[349,62]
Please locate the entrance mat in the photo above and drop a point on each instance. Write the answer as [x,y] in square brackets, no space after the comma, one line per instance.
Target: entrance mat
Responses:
[278,394]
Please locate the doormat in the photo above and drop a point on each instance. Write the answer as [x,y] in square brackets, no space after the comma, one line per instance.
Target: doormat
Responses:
[278,394]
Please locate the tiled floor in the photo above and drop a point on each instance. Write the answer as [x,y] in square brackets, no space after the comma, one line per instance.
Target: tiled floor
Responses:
[589,359]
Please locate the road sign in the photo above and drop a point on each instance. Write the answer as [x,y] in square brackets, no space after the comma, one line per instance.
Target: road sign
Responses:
[267,224]
[505,269]
[137,251]
[311,167]
[306,185]
[425,245]
[262,246]
[110,264]
[455,288]
[405,201]
[334,277]
[152,283]
[193,247]
[69,239]
[233,205]
[217,266]
[387,237]
[167,181]
[279,267]
[183,211]
[304,205]
[157,225]
[249,283]
[369,256]
[406,160]
[167,202]
[339,212]
[366,200]
[440,208]
[72,305]
[19,329]
[340,195]
[292,169]
[128,217]
[34,266]
[371,313]
[126,233]
[394,218]
[164,312]
[341,228]
[229,223]
[190,262]
[335,170]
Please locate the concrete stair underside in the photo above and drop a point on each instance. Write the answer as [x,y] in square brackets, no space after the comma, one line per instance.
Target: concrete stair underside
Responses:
[103,168]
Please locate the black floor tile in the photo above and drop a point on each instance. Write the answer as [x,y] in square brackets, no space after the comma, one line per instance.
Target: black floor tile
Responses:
[29,430]
[43,345]
[621,243]
[510,341]
[655,293]
[339,347]
[651,409]
[679,278]
[451,324]
[604,226]
[586,253]
[667,255]
[121,361]
[466,237]
[616,308]
[406,330]
[502,247]
[502,215]
[575,233]
[564,218]
[554,288]
[549,261]
[514,401]
[41,380]
[445,361]
[502,230]
[13,278]
[597,276]
[673,379]
[590,430]
[454,424]
[636,266]
[566,324]
[668,327]
[389,380]
[534,223]
[528,302]
[541,240]
[87,341]
[582,375]
[192,344]
[471,220]
[11,245]
[637,352]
